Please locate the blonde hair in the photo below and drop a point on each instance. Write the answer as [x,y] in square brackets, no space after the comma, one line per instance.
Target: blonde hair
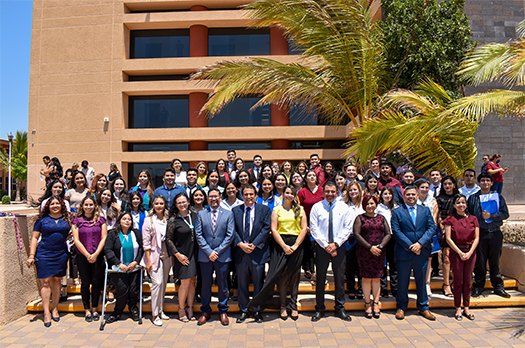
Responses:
[359,195]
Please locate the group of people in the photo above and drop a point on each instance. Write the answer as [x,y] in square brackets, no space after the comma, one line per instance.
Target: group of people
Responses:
[232,221]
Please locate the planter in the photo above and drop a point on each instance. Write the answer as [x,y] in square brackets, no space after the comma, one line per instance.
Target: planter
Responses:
[512,263]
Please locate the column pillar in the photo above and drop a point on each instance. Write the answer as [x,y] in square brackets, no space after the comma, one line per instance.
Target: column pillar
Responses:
[198,41]
[196,102]
[280,118]
[278,43]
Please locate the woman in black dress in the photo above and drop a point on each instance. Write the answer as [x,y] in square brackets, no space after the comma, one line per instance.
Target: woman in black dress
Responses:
[180,239]
[372,234]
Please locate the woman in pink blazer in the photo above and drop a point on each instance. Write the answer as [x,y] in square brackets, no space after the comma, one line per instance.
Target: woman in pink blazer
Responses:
[156,258]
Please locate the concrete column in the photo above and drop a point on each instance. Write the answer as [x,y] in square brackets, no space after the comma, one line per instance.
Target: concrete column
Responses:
[278,43]
[196,101]
[280,144]
[280,118]
[198,41]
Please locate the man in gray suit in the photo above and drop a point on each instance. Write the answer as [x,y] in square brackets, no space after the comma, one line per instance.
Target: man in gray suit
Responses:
[214,232]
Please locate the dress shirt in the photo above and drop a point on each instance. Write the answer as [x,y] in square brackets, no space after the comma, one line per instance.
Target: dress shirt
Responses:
[410,212]
[342,222]
[168,193]
[434,190]
[467,192]
[252,218]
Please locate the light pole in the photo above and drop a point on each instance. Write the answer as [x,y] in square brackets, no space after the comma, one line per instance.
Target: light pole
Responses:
[10,138]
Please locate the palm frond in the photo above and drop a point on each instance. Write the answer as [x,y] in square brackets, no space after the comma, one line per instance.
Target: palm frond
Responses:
[485,63]
[429,88]
[520,28]
[514,71]
[405,99]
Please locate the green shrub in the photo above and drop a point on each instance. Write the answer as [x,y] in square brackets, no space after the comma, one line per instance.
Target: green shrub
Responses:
[6,200]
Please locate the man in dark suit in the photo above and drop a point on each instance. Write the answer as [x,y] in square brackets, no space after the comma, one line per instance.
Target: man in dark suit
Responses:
[250,251]
[256,170]
[413,228]
[214,232]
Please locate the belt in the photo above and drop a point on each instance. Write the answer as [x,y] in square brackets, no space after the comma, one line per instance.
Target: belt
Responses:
[492,230]
[463,246]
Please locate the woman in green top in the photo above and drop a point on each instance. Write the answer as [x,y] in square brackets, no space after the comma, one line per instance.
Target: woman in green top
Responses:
[289,230]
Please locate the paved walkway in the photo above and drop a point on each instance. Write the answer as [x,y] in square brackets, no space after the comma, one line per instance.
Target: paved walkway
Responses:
[492,328]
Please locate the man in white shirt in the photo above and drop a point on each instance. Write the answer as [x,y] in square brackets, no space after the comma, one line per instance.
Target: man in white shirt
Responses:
[231,155]
[469,177]
[330,226]
[88,171]
[435,182]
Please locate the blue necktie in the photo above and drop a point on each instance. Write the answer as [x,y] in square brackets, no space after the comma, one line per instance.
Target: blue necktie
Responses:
[247,225]
[413,214]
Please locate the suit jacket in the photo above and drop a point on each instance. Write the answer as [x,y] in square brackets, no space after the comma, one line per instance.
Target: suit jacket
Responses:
[113,247]
[218,240]
[258,237]
[406,233]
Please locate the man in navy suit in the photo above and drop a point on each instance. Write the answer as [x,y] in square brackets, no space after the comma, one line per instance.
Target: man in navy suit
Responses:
[214,232]
[250,251]
[413,228]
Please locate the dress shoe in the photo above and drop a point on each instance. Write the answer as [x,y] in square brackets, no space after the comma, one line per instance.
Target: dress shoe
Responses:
[400,314]
[112,318]
[242,317]
[502,293]
[135,316]
[224,319]
[476,292]
[55,319]
[343,315]
[258,317]
[48,324]
[294,317]
[204,317]
[88,318]
[317,316]
[427,315]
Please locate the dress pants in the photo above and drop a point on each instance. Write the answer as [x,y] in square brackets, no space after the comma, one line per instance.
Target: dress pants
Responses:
[462,271]
[489,248]
[352,270]
[391,271]
[419,264]
[322,260]
[127,286]
[91,274]
[221,272]
[245,269]
[159,280]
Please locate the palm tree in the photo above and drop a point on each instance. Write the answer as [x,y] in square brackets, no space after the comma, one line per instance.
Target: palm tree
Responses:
[341,72]
[419,123]
[18,160]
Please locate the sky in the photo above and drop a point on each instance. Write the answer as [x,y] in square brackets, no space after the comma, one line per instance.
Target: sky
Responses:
[15,49]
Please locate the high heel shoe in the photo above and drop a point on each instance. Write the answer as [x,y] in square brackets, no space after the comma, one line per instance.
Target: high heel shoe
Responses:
[189,313]
[182,316]
[48,323]
[283,317]
[368,315]
[377,314]
[294,317]
[447,294]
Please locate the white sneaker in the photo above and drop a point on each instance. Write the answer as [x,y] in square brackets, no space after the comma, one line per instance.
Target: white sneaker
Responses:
[429,291]
[157,322]
[163,316]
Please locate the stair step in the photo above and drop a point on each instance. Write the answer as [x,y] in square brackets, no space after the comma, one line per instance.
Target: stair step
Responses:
[304,287]
[306,303]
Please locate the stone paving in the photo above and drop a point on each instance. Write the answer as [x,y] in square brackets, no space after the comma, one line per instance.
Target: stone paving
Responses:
[492,328]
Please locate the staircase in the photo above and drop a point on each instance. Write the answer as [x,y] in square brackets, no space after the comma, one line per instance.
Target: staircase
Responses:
[306,301]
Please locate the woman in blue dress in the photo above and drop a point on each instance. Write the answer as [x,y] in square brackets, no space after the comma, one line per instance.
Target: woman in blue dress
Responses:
[51,254]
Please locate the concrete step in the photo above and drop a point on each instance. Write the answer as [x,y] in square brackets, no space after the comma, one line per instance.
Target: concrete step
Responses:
[306,303]
[305,287]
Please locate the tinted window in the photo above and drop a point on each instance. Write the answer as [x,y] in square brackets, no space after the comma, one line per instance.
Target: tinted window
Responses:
[238,114]
[136,147]
[238,42]
[240,146]
[159,112]
[321,144]
[155,169]
[160,43]
[302,117]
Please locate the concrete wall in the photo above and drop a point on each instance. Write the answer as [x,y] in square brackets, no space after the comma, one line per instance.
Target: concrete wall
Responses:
[18,284]
[495,21]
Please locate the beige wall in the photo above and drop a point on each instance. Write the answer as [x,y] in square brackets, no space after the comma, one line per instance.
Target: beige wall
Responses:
[78,77]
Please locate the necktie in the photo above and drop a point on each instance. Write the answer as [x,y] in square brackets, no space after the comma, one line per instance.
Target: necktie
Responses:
[413,214]
[247,225]
[214,218]
[331,224]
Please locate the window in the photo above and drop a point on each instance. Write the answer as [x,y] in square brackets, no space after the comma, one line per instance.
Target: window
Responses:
[238,114]
[159,112]
[238,42]
[158,77]
[155,169]
[301,117]
[165,43]
[266,145]
[320,144]
[148,147]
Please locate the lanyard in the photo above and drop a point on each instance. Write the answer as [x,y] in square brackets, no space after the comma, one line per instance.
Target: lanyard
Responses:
[190,225]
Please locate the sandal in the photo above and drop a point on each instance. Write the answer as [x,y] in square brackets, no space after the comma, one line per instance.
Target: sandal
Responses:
[368,315]
[378,313]
[458,317]
[182,316]
[447,294]
[313,279]
[469,316]
[307,274]
[189,312]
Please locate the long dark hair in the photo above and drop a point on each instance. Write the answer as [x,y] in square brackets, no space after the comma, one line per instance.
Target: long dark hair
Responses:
[130,205]
[201,190]
[73,185]
[174,210]
[117,228]
[390,204]
[124,195]
[111,212]
[237,182]
[456,197]
[58,172]
[63,209]
[442,190]
[49,192]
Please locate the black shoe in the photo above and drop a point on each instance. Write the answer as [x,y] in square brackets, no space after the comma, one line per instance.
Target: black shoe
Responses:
[359,295]
[55,319]
[384,293]
[502,293]
[242,317]
[476,292]
[198,299]
[317,316]
[258,317]
[343,315]
[135,314]
[96,317]
[112,318]
[88,318]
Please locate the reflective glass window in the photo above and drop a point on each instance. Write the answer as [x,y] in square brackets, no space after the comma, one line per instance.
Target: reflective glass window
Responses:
[238,114]
[266,145]
[165,43]
[155,169]
[149,147]
[238,42]
[159,112]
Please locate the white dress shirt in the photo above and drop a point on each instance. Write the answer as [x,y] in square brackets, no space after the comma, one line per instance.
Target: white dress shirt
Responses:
[342,222]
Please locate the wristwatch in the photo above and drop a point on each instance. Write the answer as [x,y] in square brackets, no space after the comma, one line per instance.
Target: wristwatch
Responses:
[336,245]
[380,246]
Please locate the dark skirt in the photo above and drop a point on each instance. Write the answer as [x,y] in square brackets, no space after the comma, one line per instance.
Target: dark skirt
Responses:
[281,266]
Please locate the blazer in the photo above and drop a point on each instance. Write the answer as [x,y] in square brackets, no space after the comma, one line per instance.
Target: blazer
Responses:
[259,236]
[218,240]
[151,241]
[406,233]
[113,247]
